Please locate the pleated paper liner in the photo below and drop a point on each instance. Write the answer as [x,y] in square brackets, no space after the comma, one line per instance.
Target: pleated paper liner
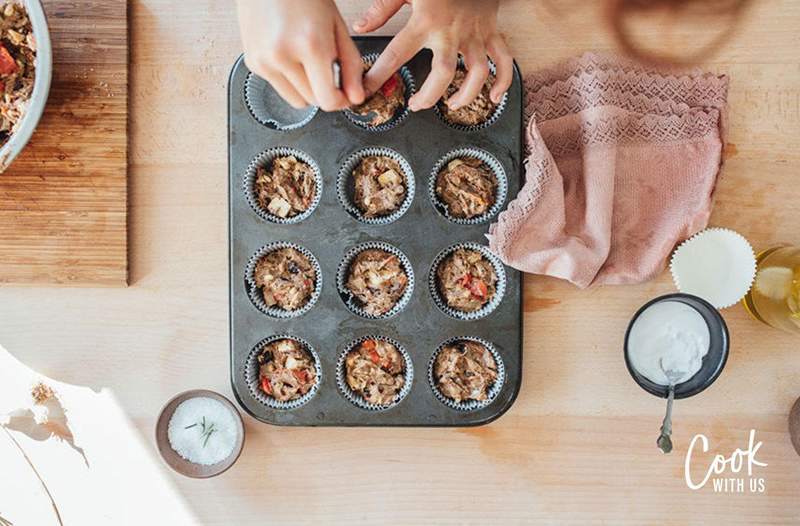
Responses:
[494,165]
[345,185]
[265,160]
[356,398]
[255,294]
[490,306]
[253,378]
[270,109]
[351,301]
[468,405]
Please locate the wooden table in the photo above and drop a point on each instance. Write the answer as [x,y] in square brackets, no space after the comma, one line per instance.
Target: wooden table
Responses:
[578,445]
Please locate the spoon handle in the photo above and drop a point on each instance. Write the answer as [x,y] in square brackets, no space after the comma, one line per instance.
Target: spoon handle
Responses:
[664,441]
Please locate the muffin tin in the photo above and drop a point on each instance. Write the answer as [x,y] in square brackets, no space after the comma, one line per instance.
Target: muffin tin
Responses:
[330,232]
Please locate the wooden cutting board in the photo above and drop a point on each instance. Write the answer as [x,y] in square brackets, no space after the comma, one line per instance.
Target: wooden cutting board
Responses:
[63,202]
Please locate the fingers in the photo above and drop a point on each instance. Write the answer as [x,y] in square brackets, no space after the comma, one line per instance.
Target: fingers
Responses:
[378,14]
[443,68]
[317,61]
[295,74]
[504,62]
[477,70]
[352,65]
[286,90]
[400,50]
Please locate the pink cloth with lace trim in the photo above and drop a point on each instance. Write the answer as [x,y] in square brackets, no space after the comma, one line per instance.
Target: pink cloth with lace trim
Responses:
[622,163]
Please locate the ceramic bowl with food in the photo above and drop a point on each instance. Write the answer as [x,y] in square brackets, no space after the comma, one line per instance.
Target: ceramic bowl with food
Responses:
[20,106]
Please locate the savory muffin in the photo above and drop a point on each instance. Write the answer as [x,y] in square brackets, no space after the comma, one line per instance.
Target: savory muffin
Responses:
[286,187]
[382,106]
[465,370]
[17,66]
[377,280]
[286,278]
[466,280]
[467,187]
[476,112]
[380,186]
[375,370]
[286,370]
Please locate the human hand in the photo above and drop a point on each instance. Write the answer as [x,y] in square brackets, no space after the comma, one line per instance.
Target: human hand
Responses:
[447,27]
[293,46]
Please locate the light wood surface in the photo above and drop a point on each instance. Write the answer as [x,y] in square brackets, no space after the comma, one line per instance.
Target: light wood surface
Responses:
[579,444]
[63,202]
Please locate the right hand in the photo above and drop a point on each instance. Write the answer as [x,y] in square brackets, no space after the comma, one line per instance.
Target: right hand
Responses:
[293,45]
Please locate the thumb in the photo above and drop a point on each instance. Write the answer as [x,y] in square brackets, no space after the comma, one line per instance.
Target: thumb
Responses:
[378,14]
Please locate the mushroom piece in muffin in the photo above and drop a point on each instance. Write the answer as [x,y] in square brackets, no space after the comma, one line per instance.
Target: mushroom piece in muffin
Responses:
[376,278]
[286,187]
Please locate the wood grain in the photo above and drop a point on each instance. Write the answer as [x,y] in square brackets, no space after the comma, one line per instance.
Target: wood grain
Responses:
[578,447]
[63,202]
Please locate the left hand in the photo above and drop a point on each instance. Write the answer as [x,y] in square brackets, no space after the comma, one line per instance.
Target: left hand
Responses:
[447,27]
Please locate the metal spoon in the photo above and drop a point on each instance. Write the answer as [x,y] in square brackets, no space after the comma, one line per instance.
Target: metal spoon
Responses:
[664,441]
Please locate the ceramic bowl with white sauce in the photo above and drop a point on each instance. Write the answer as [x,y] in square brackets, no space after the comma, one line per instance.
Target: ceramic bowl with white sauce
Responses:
[713,362]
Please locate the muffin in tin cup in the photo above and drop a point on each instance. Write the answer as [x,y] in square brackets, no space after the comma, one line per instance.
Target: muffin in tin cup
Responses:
[265,160]
[356,305]
[399,115]
[355,397]
[252,374]
[469,404]
[500,191]
[254,292]
[495,115]
[270,109]
[346,187]
[489,306]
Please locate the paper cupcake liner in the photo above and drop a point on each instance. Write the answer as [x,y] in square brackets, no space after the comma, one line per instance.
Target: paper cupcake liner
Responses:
[497,170]
[264,159]
[345,185]
[731,256]
[261,100]
[254,292]
[253,380]
[500,287]
[351,301]
[488,122]
[356,398]
[471,405]
[400,115]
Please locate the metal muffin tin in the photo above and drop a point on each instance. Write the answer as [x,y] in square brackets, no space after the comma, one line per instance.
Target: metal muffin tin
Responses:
[421,233]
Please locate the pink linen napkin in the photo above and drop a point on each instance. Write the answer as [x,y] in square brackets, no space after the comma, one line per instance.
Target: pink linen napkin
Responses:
[622,163]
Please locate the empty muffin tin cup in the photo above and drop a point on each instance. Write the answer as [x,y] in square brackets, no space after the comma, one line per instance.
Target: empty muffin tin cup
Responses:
[496,168]
[356,398]
[346,189]
[255,294]
[265,160]
[253,378]
[469,405]
[713,361]
[485,124]
[400,114]
[270,109]
[353,303]
[490,306]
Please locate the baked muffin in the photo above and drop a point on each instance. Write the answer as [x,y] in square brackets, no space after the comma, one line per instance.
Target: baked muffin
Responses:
[476,112]
[382,106]
[465,370]
[467,187]
[286,278]
[286,188]
[380,186]
[376,278]
[286,370]
[466,280]
[375,370]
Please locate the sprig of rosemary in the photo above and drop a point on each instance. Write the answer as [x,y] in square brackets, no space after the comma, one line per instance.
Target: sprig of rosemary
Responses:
[206,430]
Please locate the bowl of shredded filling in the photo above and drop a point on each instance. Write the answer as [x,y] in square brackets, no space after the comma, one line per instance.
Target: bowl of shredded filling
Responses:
[25,72]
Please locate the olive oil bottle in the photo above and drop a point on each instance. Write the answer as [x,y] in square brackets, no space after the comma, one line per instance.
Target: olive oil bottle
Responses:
[775,296]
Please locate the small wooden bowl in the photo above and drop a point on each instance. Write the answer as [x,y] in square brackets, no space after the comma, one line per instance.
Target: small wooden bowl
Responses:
[794,425]
[178,463]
